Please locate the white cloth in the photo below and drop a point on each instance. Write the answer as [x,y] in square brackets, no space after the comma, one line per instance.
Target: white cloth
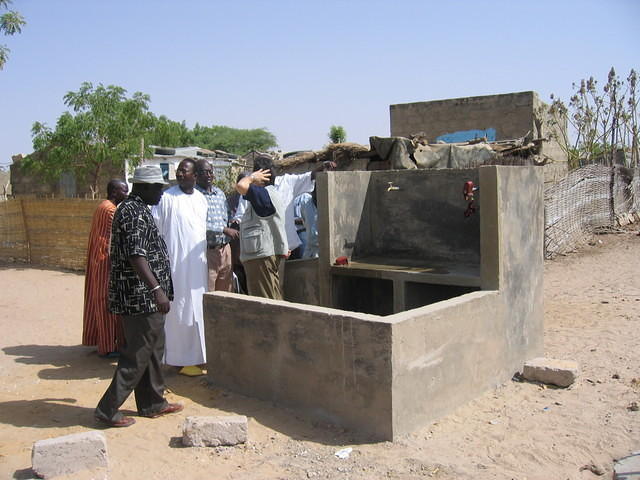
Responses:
[309,214]
[182,221]
[289,187]
[242,207]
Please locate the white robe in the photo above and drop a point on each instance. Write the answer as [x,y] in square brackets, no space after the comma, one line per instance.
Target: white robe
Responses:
[182,221]
[289,186]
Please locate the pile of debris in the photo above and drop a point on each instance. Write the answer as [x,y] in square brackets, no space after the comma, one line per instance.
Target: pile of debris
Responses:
[400,153]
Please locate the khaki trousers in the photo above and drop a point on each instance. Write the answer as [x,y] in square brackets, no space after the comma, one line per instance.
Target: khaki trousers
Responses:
[262,277]
[220,269]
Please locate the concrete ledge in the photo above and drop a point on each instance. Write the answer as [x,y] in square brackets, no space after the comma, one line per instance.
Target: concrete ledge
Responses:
[71,454]
[551,371]
[214,431]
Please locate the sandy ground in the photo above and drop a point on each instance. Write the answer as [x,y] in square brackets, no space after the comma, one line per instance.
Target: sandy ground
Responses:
[50,385]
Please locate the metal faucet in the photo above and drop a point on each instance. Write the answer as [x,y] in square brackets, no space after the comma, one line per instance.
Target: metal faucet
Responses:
[392,187]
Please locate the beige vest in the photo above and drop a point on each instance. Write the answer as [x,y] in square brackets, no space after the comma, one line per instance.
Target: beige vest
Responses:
[263,236]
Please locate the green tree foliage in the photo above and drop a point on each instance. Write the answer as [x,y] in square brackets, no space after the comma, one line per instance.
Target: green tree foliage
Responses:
[105,128]
[337,134]
[603,121]
[168,133]
[232,140]
[11,22]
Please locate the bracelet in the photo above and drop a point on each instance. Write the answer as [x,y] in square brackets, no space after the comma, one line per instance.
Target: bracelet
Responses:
[154,288]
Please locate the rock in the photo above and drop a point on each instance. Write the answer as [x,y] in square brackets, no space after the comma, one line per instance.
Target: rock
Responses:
[633,407]
[80,455]
[551,371]
[627,468]
[593,468]
[214,431]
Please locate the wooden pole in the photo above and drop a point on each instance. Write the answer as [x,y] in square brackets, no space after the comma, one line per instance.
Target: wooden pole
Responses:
[26,230]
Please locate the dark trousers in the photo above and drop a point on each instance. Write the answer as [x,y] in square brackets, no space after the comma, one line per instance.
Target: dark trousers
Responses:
[139,368]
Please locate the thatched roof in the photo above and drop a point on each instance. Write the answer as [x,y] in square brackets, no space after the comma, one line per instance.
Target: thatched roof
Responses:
[330,152]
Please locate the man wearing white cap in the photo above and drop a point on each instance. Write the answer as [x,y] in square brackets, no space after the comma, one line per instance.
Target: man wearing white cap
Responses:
[140,290]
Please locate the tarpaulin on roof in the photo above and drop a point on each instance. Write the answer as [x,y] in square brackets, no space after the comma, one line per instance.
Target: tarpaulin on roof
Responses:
[453,156]
[403,153]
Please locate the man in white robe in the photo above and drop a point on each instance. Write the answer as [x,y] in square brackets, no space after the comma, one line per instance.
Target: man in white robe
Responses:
[181,218]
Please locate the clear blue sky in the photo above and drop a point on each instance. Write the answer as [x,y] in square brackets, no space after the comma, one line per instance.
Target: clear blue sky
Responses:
[297,67]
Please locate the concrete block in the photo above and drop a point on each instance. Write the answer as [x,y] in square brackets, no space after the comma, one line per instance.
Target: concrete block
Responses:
[551,371]
[214,431]
[72,456]
[627,468]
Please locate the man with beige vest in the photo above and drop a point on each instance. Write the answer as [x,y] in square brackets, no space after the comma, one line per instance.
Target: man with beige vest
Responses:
[263,239]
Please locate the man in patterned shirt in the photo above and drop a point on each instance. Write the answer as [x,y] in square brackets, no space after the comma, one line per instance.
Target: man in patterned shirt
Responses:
[140,289]
[219,260]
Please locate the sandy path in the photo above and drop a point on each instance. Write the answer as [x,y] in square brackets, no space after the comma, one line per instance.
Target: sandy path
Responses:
[50,386]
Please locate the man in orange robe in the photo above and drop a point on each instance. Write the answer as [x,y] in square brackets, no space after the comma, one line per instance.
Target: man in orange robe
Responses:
[100,327]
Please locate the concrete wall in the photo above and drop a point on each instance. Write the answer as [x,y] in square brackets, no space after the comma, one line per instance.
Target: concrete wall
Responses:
[499,117]
[509,115]
[26,183]
[446,354]
[301,281]
[386,376]
[480,339]
[520,212]
[330,364]
[422,220]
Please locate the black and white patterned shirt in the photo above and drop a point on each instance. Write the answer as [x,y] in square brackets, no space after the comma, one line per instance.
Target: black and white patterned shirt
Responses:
[134,232]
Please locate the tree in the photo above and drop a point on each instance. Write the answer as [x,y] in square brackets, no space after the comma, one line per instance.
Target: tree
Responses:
[168,133]
[11,23]
[337,134]
[233,140]
[603,122]
[107,128]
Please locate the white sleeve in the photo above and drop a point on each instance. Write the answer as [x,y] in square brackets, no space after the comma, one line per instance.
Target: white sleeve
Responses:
[242,207]
[301,184]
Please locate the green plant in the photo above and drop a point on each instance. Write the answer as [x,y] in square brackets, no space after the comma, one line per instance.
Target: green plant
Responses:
[11,22]
[106,128]
[337,134]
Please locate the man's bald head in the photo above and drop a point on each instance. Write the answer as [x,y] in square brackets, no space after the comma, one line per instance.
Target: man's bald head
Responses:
[117,190]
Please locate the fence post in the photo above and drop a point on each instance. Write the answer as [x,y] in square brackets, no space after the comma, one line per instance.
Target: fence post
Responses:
[26,230]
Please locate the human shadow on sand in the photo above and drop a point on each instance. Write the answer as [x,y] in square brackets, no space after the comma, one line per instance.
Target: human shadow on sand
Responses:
[48,413]
[75,362]
[24,474]
[293,423]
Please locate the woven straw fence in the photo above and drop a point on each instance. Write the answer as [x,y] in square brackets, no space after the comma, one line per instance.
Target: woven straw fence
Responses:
[47,232]
[588,200]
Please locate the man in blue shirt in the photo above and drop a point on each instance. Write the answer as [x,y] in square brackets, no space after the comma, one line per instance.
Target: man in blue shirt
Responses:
[218,232]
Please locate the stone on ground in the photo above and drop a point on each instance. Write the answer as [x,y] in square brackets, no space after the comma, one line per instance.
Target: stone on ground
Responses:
[71,456]
[627,468]
[214,431]
[551,371]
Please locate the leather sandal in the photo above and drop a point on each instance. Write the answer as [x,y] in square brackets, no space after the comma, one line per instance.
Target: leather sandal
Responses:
[122,422]
[170,408]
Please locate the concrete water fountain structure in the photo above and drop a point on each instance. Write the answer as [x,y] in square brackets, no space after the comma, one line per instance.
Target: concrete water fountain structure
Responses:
[432,309]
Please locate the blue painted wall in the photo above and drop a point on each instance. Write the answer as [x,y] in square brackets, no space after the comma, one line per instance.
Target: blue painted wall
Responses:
[467,135]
